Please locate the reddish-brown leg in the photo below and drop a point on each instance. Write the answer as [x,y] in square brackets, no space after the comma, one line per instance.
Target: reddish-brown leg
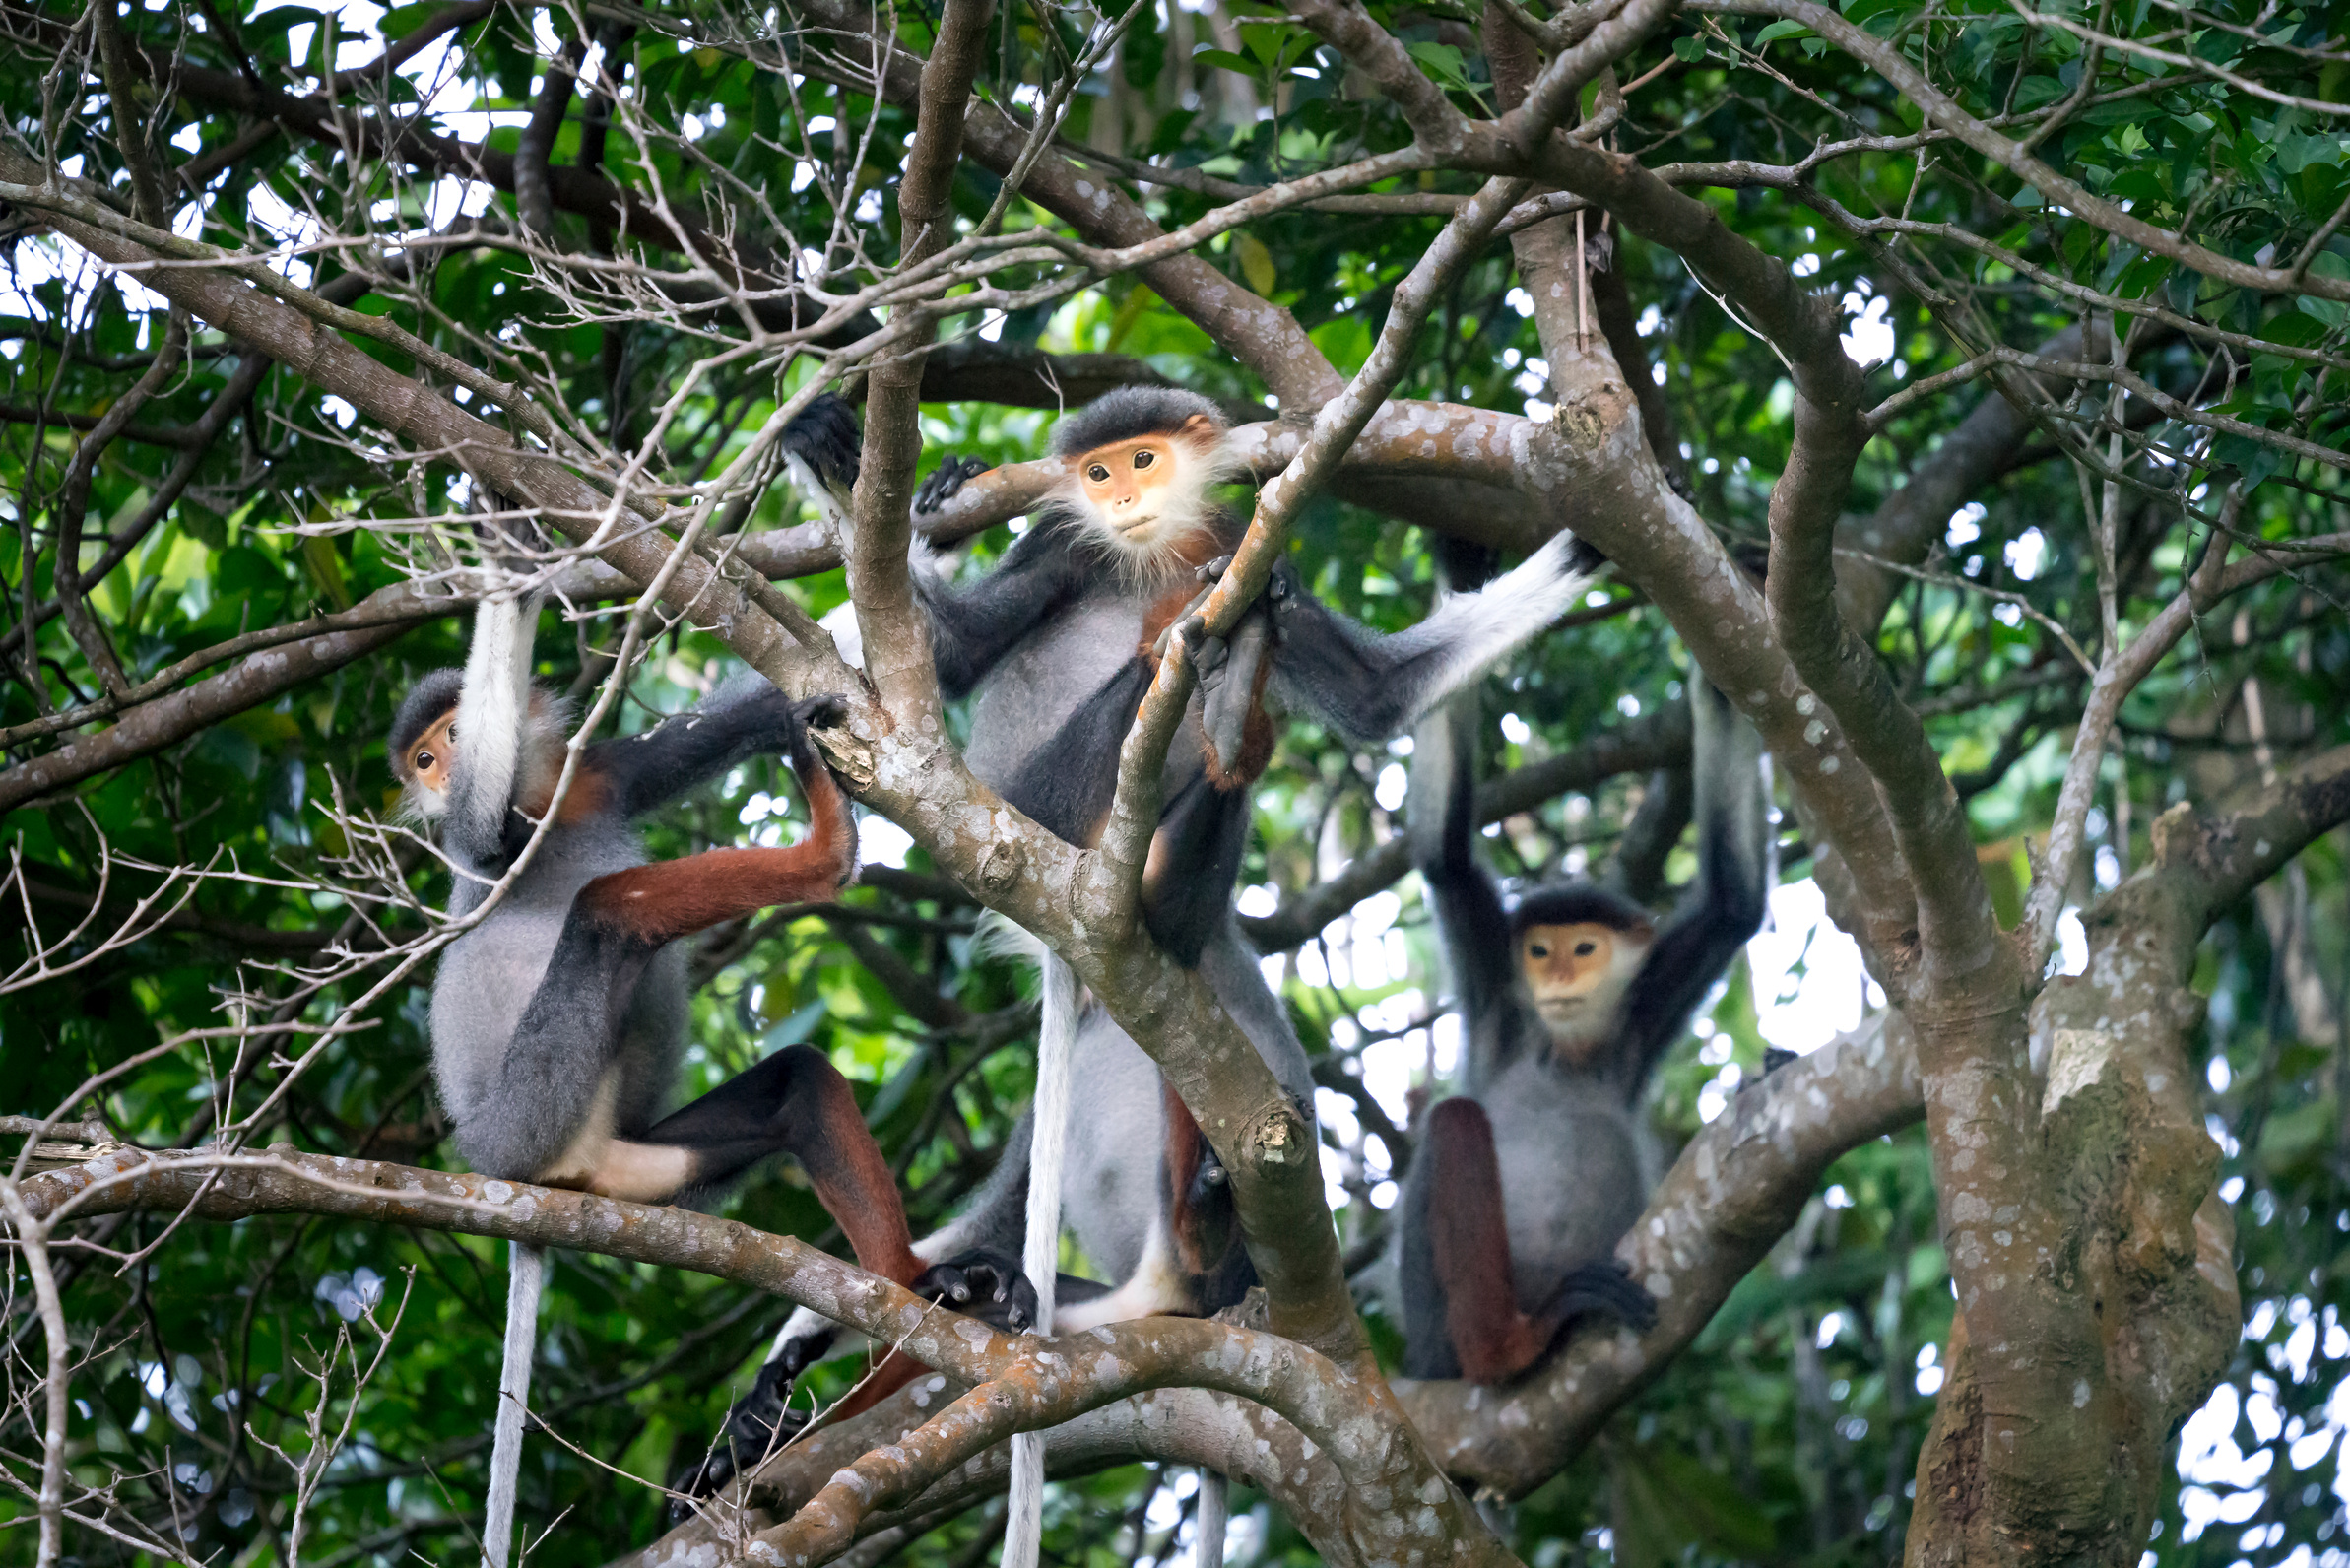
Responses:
[796,1102]
[672,898]
[1494,1341]
[1183,1170]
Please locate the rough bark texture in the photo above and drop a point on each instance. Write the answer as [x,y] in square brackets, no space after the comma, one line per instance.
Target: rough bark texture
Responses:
[2052,1448]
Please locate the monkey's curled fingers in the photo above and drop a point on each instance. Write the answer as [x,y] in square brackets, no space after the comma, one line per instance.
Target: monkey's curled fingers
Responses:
[1603,1287]
[1215,569]
[825,436]
[945,481]
[984,1283]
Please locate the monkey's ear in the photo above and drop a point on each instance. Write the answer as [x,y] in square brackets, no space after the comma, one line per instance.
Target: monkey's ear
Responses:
[1643,931]
[1200,429]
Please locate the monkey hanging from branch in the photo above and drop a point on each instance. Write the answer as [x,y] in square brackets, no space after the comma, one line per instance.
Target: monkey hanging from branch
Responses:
[1524,1181]
[559,1021]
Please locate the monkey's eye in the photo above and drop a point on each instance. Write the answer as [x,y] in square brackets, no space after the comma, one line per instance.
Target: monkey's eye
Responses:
[1584,949]
[1145,458]
[1098,474]
[1538,950]
[424,761]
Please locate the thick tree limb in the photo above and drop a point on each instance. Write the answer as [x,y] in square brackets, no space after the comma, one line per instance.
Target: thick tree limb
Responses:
[1017,1382]
[2071,1375]
[1188,1427]
[896,632]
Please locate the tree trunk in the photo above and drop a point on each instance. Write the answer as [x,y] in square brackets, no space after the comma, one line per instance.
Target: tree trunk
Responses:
[2144,1263]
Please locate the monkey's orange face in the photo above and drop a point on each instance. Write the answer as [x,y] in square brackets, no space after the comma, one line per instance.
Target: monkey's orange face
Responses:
[1127,483]
[427,763]
[1148,492]
[1576,975]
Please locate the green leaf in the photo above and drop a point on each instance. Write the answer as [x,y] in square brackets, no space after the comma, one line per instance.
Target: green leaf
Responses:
[1689,49]
[326,569]
[1225,60]
[1780,30]
[1440,60]
[2297,153]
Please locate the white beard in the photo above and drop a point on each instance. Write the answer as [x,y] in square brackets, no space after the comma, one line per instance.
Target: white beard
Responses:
[1154,544]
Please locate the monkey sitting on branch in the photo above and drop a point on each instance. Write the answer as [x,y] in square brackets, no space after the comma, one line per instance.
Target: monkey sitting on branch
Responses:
[559,1021]
[1524,1181]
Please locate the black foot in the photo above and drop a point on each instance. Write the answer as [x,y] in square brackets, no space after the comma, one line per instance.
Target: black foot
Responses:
[822,713]
[1603,1287]
[762,1422]
[1207,1182]
[985,1284]
[945,481]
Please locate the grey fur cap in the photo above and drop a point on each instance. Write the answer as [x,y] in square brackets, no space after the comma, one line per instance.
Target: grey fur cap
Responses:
[425,702]
[1574,903]
[1129,412]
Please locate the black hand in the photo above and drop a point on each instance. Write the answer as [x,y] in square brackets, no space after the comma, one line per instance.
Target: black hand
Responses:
[984,1283]
[945,481]
[800,1353]
[1213,569]
[1192,632]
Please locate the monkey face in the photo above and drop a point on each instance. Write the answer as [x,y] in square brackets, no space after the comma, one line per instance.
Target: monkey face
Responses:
[1145,494]
[424,766]
[1576,974]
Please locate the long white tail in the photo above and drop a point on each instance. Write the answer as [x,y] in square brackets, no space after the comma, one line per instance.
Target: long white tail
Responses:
[1216,1513]
[1055,1043]
[526,1270]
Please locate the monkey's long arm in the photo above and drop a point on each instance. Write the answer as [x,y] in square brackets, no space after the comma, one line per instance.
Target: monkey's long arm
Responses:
[480,827]
[1481,957]
[973,628]
[748,717]
[1725,908]
[1370,686]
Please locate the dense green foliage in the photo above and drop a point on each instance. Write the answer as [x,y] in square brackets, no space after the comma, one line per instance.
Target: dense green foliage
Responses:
[1789,1432]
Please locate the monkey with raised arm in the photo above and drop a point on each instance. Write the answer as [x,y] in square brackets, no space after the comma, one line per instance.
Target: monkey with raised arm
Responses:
[559,1021]
[1524,1181]
[1055,648]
